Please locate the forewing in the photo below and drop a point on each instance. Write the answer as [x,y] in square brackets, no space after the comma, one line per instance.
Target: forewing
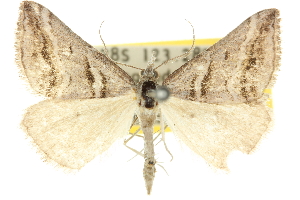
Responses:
[236,69]
[72,132]
[58,63]
[213,131]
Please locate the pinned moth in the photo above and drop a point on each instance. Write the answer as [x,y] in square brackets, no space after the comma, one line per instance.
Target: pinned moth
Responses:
[217,103]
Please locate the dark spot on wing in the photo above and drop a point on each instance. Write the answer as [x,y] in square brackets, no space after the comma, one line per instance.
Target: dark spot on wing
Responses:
[249,63]
[253,90]
[34,55]
[71,50]
[227,54]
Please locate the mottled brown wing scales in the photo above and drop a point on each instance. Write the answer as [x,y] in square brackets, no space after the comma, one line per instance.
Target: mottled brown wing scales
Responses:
[215,106]
[218,101]
[236,69]
[59,64]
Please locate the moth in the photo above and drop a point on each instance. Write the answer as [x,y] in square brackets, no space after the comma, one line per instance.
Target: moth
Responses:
[217,103]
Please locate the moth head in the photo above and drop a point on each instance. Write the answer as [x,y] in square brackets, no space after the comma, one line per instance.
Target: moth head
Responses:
[149,73]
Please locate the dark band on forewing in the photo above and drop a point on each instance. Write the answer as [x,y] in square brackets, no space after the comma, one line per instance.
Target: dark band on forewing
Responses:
[90,77]
[45,50]
[205,81]
[59,64]
[104,83]
[192,94]
[236,69]
[254,64]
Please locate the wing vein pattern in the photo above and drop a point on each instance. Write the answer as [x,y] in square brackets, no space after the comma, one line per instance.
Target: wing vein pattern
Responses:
[73,132]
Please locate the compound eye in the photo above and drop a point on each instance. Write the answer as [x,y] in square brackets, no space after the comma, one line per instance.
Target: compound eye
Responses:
[142,72]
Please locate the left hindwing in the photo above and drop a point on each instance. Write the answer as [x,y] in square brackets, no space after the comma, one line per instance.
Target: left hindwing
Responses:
[73,132]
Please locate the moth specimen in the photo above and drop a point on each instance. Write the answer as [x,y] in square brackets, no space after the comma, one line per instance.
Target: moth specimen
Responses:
[217,103]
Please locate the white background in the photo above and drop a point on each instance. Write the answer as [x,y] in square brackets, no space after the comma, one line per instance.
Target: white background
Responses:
[272,172]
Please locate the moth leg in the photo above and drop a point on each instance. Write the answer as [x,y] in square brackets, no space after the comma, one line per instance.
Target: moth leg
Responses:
[133,122]
[134,134]
[163,168]
[159,135]
[132,149]
[162,132]
[143,148]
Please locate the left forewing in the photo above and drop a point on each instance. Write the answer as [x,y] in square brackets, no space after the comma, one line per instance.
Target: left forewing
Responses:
[59,64]
[213,131]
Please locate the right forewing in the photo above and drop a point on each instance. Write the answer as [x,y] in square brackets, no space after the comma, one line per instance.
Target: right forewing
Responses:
[236,69]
